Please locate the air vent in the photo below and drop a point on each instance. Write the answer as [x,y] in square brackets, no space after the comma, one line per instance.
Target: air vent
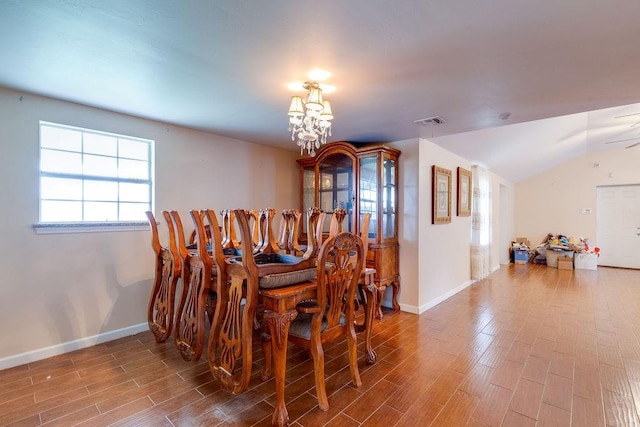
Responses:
[431,121]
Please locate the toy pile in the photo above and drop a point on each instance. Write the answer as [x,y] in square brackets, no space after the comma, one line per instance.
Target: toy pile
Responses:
[561,242]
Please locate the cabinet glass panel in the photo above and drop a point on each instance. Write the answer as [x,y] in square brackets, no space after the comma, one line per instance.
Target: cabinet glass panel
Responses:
[308,194]
[369,192]
[388,198]
[336,188]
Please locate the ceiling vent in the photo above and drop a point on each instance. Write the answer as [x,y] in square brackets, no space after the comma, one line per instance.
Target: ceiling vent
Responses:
[431,121]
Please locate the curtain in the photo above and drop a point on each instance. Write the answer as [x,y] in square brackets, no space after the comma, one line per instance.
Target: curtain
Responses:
[480,224]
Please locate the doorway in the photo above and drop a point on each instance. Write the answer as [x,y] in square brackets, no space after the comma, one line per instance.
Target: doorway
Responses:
[618,225]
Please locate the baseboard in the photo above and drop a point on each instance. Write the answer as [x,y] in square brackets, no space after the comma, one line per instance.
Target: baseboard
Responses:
[67,347]
[409,308]
[445,296]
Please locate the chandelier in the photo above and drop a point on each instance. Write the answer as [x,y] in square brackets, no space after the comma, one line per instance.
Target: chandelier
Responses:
[310,119]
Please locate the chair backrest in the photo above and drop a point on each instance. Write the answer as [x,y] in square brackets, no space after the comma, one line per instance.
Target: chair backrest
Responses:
[315,218]
[196,279]
[161,306]
[176,235]
[338,272]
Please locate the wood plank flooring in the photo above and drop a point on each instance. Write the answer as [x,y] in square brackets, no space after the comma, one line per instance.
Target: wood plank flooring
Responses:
[528,346]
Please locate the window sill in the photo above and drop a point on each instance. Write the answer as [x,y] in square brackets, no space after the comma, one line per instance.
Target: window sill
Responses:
[88,227]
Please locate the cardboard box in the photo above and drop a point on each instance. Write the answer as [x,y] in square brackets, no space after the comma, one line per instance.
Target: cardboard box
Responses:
[565,263]
[586,261]
[552,257]
[520,256]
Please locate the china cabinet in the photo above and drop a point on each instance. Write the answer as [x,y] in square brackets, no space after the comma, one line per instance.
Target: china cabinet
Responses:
[361,179]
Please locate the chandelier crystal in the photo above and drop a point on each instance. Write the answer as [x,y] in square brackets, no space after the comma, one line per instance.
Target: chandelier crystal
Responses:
[310,119]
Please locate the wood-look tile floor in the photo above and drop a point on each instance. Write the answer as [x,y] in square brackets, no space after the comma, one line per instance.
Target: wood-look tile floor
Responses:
[528,346]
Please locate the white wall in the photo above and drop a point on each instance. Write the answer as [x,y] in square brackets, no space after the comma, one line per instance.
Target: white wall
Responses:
[552,201]
[435,259]
[408,225]
[60,291]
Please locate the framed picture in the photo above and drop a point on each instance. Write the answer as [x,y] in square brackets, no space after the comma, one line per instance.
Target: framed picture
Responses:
[464,192]
[441,196]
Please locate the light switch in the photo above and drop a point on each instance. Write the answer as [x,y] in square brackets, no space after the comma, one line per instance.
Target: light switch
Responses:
[586,211]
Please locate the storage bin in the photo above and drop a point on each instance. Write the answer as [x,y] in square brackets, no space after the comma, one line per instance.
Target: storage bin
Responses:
[520,256]
[552,257]
[586,261]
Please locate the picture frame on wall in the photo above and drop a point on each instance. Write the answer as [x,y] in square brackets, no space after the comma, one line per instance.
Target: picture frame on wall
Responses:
[441,195]
[464,192]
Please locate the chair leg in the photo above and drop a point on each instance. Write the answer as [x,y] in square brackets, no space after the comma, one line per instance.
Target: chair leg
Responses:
[353,356]
[211,307]
[318,366]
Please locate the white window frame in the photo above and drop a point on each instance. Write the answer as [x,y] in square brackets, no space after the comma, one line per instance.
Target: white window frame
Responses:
[76,226]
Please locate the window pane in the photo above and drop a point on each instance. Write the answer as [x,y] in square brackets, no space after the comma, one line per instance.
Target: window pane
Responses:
[100,211]
[134,192]
[100,144]
[54,211]
[100,166]
[60,138]
[132,149]
[60,161]
[93,176]
[60,188]
[133,169]
[133,211]
[101,191]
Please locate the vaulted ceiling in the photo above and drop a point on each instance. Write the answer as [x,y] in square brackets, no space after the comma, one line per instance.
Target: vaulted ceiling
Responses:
[223,66]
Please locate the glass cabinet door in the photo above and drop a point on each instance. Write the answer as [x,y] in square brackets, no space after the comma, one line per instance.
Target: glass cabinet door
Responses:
[369,192]
[336,188]
[388,197]
[308,194]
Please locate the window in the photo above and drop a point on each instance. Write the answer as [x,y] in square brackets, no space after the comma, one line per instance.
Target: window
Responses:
[88,176]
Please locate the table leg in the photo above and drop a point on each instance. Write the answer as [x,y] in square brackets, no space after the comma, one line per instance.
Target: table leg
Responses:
[279,329]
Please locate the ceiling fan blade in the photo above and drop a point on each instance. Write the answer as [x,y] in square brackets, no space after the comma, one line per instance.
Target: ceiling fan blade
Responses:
[626,115]
[632,145]
[621,140]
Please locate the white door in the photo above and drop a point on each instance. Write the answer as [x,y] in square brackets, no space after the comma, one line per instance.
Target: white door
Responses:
[619,226]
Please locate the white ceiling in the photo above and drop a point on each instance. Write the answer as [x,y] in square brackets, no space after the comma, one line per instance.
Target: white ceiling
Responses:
[222,66]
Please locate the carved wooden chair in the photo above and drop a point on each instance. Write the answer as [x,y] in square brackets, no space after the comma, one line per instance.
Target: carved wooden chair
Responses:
[161,307]
[230,350]
[333,314]
[196,300]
